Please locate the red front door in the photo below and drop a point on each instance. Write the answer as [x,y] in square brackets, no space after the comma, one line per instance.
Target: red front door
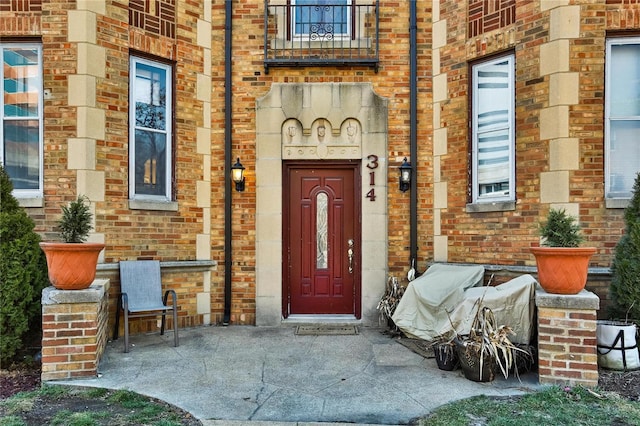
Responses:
[322,239]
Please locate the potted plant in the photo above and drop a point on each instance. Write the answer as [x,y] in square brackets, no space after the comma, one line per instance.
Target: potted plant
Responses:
[486,348]
[389,302]
[72,263]
[562,264]
[444,351]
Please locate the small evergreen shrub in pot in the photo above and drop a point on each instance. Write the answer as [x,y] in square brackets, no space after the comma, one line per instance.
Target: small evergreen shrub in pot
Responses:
[562,265]
[72,264]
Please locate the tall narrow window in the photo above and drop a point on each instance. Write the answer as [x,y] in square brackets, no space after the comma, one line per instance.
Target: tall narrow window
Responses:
[150,130]
[622,116]
[493,170]
[322,238]
[21,117]
[321,19]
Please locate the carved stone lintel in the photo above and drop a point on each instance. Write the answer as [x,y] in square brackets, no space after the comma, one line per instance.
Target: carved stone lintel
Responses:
[322,140]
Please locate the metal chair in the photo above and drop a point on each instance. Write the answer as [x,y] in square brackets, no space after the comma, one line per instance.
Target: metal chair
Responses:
[141,296]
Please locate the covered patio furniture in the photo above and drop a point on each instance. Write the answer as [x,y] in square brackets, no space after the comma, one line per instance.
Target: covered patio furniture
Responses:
[445,299]
[141,296]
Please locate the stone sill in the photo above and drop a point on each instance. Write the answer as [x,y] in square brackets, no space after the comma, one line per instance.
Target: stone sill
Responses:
[583,300]
[192,265]
[93,294]
[495,206]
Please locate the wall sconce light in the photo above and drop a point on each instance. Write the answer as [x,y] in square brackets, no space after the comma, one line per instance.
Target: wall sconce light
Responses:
[237,174]
[405,175]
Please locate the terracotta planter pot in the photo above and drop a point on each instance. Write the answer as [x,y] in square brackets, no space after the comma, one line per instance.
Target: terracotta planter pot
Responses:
[72,266]
[563,270]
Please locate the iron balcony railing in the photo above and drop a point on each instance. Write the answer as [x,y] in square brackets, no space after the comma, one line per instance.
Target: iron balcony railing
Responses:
[321,33]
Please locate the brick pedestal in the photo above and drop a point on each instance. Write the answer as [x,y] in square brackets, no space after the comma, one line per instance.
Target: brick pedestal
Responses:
[567,348]
[74,330]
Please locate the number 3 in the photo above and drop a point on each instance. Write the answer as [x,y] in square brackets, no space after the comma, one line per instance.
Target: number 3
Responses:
[373,162]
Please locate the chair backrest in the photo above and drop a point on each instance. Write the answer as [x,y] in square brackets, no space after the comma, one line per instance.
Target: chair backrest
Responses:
[140,279]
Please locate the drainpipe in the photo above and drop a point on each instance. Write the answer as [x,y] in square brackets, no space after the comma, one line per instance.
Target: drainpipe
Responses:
[413,136]
[228,191]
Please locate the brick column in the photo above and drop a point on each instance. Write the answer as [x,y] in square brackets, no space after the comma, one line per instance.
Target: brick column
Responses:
[567,349]
[74,330]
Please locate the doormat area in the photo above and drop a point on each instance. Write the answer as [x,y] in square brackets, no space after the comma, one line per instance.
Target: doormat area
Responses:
[326,330]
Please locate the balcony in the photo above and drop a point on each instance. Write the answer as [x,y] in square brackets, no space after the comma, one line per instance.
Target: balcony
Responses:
[321,33]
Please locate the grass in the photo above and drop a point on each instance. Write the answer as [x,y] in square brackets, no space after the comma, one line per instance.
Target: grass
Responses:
[551,406]
[70,406]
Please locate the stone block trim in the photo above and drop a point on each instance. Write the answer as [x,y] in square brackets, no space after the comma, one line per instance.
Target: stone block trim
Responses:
[567,349]
[74,331]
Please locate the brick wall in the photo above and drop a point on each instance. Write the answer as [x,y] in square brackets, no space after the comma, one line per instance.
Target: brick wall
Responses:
[250,82]
[567,348]
[487,238]
[74,331]
[505,236]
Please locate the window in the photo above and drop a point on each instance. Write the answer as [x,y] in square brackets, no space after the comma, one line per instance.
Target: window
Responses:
[493,170]
[622,116]
[321,19]
[150,132]
[21,117]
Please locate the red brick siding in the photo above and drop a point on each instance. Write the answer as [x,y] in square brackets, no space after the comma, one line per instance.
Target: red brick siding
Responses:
[74,336]
[504,237]
[250,82]
[500,237]
[567,347]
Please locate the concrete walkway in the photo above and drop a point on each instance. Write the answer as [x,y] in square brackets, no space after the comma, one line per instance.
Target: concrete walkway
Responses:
[238,375]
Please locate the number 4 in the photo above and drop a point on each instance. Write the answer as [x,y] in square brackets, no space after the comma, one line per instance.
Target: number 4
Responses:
[371,195]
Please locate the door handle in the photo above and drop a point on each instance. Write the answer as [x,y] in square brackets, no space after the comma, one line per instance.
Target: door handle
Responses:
[350,255]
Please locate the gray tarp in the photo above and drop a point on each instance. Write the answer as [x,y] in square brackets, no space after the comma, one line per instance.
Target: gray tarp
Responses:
[422,311]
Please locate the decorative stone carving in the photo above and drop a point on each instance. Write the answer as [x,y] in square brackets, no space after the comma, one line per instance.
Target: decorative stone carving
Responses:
[321,140]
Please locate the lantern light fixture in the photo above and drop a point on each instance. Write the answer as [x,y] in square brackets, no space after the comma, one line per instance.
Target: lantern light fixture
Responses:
[405,175]
[237,175]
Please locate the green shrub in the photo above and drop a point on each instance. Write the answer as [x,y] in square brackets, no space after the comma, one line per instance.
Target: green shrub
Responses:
[75,223]
[23,273]
[625,282]
[560,230]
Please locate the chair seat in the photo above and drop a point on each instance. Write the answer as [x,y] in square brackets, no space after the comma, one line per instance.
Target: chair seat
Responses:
[145,308]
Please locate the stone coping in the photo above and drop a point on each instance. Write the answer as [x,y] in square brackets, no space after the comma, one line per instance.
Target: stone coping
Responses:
[194,265]
[522,269]
[93,294]
[583,300]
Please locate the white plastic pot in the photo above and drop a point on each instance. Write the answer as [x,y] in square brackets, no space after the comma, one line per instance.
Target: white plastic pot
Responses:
[617,346]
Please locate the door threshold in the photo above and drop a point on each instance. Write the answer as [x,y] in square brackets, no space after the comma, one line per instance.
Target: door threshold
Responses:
[321,319]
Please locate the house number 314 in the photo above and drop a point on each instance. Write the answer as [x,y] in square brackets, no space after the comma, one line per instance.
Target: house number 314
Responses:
[372,165]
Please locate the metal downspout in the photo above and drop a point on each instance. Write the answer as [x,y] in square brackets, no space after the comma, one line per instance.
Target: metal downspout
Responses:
[413,136]
[228,190]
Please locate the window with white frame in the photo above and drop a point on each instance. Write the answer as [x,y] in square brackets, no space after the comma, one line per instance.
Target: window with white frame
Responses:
[493,140]
[150,132]
[321,19]
[622,116]
[21,117]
